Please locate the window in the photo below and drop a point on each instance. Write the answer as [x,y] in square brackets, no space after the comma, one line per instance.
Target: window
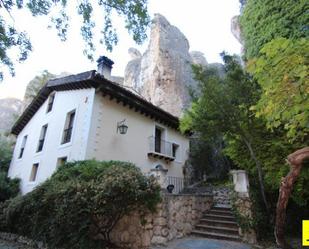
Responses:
[34,172]
[22,148]
[42,138]
[175,148]
[67,133]
[61,161]
[50,102]
[158,139]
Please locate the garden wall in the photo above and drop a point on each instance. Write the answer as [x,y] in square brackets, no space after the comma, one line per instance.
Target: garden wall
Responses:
[176,217]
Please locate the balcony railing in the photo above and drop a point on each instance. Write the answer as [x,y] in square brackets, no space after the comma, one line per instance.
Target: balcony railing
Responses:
[67,134]
[160,148]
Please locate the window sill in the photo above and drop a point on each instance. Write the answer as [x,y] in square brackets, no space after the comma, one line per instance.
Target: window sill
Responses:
[62,146]
[38,153]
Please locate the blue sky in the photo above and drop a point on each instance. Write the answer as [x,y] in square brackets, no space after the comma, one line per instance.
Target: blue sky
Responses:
[205,23]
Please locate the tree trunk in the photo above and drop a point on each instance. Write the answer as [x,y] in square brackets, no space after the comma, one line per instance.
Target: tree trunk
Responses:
[260,173]
[295,161]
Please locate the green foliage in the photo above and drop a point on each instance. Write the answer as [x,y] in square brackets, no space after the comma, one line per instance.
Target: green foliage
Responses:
[271,150]
[207,158]
[80,204]
[264,20]
[134,13]
[245,222]
[223,107]
[282,71]
[6,150]
[9,188]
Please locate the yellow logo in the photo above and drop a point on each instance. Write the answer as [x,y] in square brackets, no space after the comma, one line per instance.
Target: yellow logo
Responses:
[305,232]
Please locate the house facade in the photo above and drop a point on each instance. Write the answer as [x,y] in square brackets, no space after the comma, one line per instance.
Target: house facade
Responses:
[84,116]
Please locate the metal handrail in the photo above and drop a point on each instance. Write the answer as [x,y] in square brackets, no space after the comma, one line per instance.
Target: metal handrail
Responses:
[160,146]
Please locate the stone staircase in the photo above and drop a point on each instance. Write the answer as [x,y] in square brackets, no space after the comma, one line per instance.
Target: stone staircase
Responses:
[218,222]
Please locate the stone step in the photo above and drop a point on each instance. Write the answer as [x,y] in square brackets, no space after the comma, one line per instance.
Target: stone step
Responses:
[219,217]
[217,229]
[222,207]
[221,212]
[220,223]
[215,235]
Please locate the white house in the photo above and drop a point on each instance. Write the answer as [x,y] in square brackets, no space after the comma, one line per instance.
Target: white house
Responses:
[82,117]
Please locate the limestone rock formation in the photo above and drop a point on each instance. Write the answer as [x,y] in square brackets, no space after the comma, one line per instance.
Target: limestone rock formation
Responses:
[163,74]
[198,58]
[10,109]
[235,29]
[133,69]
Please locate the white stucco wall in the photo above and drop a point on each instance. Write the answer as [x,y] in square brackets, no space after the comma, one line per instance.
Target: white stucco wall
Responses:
[65,101]
[106,144]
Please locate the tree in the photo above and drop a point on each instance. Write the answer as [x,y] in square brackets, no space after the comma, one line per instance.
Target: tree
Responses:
[133,11]
[276,47]
[223,108]
[282,72]
[264,20]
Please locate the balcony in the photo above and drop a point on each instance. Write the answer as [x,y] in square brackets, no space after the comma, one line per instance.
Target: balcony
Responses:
[159,148]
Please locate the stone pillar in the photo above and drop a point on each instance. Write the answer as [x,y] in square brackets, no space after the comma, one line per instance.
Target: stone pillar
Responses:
[243,205]
[160,174]
[241,182]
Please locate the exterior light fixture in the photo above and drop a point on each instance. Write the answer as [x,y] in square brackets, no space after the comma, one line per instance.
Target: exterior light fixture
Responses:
[122,127]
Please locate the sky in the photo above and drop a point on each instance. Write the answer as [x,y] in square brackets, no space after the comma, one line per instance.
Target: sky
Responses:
[205,23]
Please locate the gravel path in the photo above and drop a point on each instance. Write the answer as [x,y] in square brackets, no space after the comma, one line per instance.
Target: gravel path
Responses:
[201,243]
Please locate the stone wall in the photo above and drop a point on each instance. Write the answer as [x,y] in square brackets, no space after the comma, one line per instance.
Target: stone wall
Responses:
[176,217]
[243,206]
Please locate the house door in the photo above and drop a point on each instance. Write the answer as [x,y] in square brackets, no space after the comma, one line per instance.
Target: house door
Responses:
[158,135]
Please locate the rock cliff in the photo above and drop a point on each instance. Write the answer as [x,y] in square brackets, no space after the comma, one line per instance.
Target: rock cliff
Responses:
[10,109]
[163,74]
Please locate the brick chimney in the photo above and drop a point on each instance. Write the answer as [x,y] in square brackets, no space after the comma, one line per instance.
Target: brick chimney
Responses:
[105,66]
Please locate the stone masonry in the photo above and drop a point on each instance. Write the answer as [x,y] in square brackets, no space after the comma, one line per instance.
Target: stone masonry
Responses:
[176,217]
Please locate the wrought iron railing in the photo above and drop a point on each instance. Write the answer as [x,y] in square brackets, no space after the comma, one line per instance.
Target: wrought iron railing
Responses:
[160,146]
[177,182]
[67,134]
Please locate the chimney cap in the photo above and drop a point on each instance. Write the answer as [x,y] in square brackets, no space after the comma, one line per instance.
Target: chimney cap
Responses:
[105,60]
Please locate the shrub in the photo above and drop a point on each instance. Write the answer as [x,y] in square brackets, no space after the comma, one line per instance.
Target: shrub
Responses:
[9,188]
[81,203]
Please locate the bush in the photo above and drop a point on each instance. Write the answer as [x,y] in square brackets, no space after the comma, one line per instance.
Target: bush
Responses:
[9,188]
[81,203]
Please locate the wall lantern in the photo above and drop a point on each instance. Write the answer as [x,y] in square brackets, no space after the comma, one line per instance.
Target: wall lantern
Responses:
[122,127]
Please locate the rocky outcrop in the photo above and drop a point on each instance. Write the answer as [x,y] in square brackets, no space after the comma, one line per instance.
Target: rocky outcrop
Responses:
[163,74]
[235,29]
[10,109]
